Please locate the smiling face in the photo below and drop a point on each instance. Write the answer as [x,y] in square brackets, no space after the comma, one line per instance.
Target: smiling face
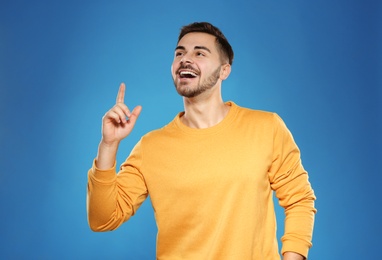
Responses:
[197,65]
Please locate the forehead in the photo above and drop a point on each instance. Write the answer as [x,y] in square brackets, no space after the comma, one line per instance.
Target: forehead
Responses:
[190,40]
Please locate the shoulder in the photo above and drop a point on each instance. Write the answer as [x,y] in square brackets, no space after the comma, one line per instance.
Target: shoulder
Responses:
[255,114]
[259,119]
[160,133]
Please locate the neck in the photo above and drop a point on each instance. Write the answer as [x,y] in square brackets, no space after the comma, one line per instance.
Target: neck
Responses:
[204,113]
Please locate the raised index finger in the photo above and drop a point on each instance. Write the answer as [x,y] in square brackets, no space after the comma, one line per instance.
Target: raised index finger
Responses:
[121,94]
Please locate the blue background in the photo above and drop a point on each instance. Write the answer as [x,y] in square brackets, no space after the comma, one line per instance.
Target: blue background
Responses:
[316,63]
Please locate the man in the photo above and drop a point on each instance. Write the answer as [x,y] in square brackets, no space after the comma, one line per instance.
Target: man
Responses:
[210,172]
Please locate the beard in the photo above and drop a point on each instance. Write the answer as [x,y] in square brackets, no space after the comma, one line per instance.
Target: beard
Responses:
[207,84]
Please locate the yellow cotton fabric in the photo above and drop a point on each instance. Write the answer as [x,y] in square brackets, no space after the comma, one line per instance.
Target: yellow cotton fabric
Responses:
[212,188]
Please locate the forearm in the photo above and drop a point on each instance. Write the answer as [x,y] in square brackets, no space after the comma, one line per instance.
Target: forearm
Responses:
[299,222]
[102,194]
[297,197]
[102,199]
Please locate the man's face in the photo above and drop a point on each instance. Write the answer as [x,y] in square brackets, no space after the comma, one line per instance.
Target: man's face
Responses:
[196,67]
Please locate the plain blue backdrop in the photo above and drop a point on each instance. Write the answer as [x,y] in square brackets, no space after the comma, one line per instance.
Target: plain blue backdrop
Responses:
[316,63]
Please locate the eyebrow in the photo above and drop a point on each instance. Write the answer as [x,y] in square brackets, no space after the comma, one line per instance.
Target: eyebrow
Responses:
[195,48]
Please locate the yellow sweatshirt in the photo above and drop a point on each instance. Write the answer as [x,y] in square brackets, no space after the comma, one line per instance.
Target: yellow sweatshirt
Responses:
[211,189]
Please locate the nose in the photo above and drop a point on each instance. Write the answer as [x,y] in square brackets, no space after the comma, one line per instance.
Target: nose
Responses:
[185,59]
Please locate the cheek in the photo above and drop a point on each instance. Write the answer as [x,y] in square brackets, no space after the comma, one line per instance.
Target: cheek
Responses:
[173,70]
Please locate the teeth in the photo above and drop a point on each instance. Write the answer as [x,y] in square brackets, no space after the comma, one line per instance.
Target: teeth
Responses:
[188,73]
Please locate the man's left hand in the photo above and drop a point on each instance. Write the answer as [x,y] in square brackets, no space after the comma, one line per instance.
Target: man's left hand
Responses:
[292,256]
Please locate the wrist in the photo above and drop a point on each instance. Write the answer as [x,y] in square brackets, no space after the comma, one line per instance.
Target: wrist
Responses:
[106,156]
[292,256]
[109,145]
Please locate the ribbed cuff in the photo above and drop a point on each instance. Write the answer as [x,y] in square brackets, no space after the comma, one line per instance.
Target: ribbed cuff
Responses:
[103,176]
[293,246]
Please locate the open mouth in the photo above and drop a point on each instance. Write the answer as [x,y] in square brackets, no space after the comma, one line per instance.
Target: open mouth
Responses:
[187,74]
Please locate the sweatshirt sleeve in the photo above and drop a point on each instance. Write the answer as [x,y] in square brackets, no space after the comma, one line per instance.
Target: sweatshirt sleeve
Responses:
[290,181]
[113,198]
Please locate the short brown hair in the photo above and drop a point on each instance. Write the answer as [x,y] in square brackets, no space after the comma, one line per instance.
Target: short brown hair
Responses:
[223,45]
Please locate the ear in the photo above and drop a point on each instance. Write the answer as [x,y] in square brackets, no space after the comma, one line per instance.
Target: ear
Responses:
[225,71]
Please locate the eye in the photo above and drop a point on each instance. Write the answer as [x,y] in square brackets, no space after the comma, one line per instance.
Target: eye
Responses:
[200,53]
[177,54]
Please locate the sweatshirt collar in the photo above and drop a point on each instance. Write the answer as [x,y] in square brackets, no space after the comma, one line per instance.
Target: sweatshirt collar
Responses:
[221,125]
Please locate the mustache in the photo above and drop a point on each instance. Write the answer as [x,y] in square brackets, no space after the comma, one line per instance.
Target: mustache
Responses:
[187,67]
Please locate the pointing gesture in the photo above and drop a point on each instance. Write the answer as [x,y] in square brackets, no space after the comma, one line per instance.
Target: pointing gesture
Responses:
[118,122]
[121,94]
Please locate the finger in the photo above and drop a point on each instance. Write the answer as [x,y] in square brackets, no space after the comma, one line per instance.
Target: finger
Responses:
[114,116]
[121,94]
[117,113]
[136,111]
[124,108]
[135,114]
[122,113]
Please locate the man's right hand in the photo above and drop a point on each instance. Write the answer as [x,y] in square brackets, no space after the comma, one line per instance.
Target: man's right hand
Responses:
[117,124]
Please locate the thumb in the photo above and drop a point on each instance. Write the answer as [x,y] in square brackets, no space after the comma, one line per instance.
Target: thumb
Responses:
[135,114]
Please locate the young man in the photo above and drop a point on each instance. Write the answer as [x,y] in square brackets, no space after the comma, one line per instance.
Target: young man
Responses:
[210,172]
